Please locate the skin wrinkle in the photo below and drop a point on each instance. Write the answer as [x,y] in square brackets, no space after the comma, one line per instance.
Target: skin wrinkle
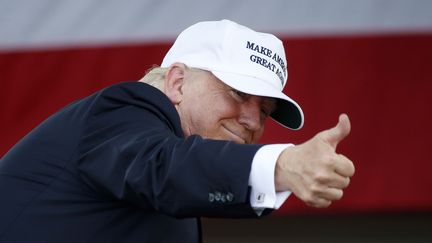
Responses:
[214,110]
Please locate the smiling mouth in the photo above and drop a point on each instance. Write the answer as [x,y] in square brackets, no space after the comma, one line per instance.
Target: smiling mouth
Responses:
[236,138]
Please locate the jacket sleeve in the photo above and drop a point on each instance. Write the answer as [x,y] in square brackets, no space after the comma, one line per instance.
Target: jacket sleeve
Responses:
[130,152]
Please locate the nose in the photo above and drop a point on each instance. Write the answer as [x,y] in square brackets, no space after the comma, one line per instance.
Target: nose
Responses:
[250,114]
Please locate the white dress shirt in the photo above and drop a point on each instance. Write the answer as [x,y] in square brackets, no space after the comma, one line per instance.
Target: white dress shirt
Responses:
[261,179]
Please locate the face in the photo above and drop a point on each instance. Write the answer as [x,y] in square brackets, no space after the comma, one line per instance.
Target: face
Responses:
[212,109]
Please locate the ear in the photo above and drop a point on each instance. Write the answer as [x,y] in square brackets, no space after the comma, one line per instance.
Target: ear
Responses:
[174,80]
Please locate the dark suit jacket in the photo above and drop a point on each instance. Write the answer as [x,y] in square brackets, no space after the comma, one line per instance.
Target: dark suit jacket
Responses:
[115,167]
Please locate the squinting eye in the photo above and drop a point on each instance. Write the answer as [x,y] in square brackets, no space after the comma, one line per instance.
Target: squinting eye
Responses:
[265,112]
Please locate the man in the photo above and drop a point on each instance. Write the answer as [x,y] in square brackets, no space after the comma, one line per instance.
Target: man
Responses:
[141,163]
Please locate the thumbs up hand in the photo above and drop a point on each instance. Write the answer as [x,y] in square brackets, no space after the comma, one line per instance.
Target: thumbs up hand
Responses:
[313,171]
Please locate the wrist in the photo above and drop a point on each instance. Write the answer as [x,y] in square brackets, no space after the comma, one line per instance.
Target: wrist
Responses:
[281,170]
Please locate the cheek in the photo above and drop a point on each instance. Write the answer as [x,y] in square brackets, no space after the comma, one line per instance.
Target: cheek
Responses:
[220,106]
[225,110]
[209,116]
[214,114]
[202,117]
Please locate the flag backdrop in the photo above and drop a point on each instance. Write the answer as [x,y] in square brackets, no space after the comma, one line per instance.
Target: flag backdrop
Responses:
[371,59]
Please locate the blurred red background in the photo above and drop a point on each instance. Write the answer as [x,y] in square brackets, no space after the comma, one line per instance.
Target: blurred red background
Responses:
[382,78]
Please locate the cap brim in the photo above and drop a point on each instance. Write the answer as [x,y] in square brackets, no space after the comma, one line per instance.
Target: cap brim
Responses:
[287,113]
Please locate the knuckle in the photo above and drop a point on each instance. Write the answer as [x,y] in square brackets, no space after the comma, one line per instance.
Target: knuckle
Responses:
[322,178]
[315,201]
[329,160]
[323,204]
[327,204]
[309,199]
[311,204]
[315,189]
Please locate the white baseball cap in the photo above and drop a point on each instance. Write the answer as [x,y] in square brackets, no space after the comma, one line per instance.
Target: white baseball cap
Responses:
[249,61]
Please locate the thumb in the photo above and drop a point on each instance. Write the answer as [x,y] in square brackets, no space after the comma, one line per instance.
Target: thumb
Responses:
[336,134]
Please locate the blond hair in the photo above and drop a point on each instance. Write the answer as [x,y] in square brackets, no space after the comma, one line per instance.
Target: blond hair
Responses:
[155,77]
